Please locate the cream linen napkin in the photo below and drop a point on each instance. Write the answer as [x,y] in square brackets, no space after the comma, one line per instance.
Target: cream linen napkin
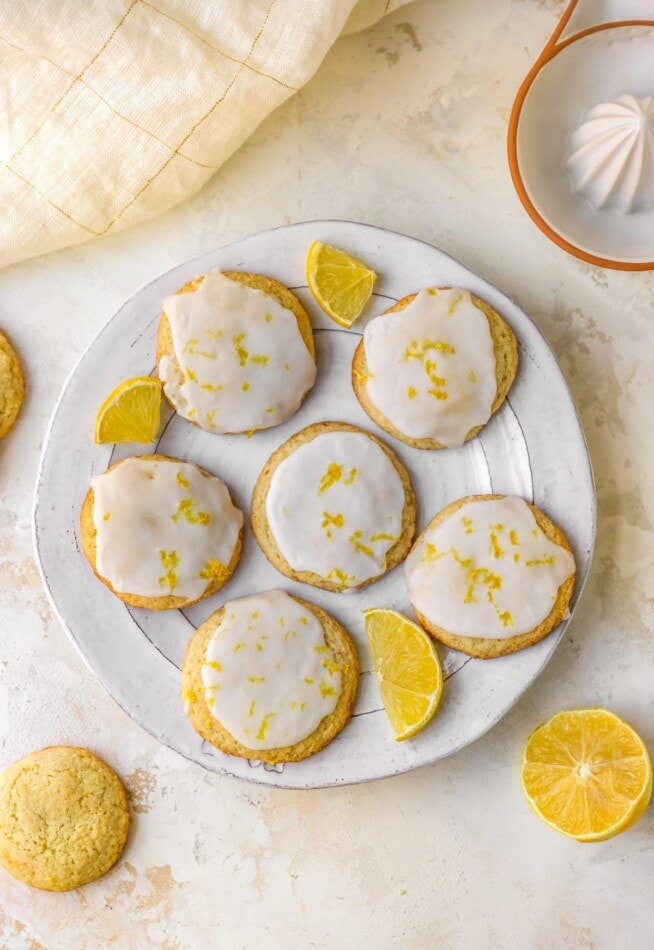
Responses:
[113,110]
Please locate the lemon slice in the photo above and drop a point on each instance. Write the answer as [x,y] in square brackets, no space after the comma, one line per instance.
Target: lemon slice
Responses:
[341,284]
[131,413]
[409,671]
[587,774]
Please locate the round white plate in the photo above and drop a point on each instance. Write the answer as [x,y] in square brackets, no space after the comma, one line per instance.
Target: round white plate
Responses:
[533,447]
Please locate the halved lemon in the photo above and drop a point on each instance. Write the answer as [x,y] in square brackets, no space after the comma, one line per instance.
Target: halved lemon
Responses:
[131,413]
[409,671]
[587,774]
[341,284]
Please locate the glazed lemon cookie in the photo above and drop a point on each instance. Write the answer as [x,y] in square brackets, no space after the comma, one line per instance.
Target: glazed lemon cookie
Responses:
[334,507]
[489,575]
[63,818]
[12,385]
[433,369]
[235,352]
[160,532]
[270,677]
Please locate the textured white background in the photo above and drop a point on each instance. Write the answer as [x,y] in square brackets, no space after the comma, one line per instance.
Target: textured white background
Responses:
[403,126]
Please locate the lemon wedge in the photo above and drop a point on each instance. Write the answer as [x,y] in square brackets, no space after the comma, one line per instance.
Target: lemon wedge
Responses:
[341,284]
[409,671]
[587,774]
[131,413]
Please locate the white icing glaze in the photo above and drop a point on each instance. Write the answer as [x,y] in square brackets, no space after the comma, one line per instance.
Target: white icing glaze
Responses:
[612,155]
[269,677]
[335,507]
[240,361]
[486,571]
[163,527]
[432,367]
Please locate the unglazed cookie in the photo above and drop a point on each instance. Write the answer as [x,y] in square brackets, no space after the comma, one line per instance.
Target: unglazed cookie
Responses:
[490,574]
[433,369]
[12,385]
[161,533]
[270,677]
[235,352]
[63,818]
[334,507]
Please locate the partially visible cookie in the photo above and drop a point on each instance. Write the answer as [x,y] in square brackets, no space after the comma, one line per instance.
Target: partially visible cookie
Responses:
[12,385]
[63,818]
[489,575]
[270,677]
[235,352]
[433,369]
[333,507]
[161,533]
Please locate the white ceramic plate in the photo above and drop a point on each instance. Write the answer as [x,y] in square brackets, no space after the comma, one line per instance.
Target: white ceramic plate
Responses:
[533,447]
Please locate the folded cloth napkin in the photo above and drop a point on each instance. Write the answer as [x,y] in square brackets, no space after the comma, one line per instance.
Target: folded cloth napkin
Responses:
[114,110]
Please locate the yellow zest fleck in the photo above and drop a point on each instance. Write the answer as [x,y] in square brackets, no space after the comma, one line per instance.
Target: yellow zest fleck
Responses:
[462,562]
[286,512]
[258,646]
[498,527]
[186,509]
[190,348]
[468,525]
[253,706]
[363,377]
[210,417]
[191,413]
[439,394]
[240,646]
[216,334]
[432,292]
[289,634]
[326,689]
[260,359]
[411,392]
[270,409]
[213,570]
[264,636]
[169,560]
[417,350]
[351,477]
[282,622]
[307,679]
[358,546]
[263,728]
[540,560]
[454,304]
[431,553]
[328,520]
[286,366]
[256,679]
[513,537]
[268,317]
[293,705]
[190,696]
[331,667]
[245,387]
[210,700]
[107,516]
[191,375]
[182,481]
[402,892]
[505,617]
[322,649]
[210,388]
[303,705]
[340,576]
[535,532]
[333,474]
[498,551]
[482,576]
[304,621]
[214,664]
[255,614]
[380,536]
[241,352]
[516,557]
[249,434]
[472,376]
